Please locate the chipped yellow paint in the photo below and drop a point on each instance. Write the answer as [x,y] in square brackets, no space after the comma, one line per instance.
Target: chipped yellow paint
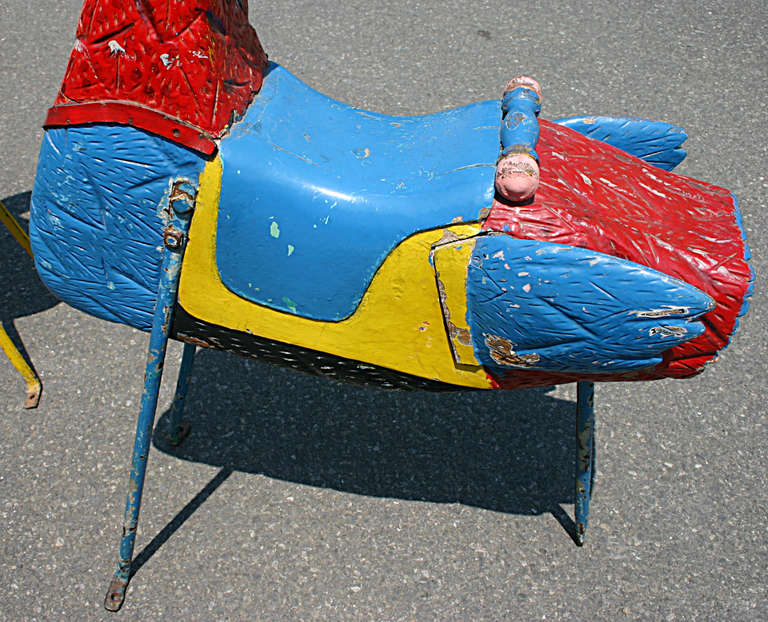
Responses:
[398,324]
[451,261]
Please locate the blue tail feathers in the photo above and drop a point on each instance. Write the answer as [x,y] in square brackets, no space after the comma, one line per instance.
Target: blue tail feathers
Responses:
[553,307]
[656,142]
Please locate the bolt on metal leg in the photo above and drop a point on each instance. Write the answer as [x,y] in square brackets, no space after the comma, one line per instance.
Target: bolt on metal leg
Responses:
[585,459]
[174,237]
[178,431]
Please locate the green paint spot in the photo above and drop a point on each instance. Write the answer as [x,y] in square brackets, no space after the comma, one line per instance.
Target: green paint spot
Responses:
[274,230]
[290,250]
[290,304]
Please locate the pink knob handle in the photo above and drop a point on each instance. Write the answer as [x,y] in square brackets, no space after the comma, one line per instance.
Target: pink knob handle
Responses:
[525,81]
[517,177]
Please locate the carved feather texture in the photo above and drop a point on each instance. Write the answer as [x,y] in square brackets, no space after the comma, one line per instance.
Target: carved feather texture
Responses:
[656,142]
[553,307]
[96,225]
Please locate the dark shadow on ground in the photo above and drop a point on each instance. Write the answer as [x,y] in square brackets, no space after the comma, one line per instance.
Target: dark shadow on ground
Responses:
[508,451]
[22,291]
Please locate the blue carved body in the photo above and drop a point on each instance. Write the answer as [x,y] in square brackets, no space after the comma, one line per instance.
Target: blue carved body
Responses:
[96,217]
[316,194]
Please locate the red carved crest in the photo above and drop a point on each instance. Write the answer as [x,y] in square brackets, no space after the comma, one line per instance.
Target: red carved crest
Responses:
[178,68]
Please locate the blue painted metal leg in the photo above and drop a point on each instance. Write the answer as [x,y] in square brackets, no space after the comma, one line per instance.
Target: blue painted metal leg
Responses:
[585,432]
[174,237]
[178,431]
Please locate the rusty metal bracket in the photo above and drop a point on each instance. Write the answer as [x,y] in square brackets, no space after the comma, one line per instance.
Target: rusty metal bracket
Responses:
[173,238]
[183,197]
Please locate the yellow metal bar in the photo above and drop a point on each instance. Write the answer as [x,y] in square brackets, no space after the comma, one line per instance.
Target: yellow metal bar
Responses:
[34,387]
[15,228]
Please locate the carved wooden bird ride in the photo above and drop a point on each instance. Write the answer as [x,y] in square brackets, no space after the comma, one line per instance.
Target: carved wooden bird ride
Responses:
[363,246]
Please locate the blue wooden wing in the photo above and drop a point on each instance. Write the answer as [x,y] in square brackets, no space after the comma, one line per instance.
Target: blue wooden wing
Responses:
[554,307]
[656,142]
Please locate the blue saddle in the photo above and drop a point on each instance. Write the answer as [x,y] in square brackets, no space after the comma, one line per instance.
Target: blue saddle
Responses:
[315,193]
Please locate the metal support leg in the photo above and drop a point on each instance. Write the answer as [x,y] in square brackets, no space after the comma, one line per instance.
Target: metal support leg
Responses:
[15,228]
[34,387]
[175,239]
[178,431]
[585,433]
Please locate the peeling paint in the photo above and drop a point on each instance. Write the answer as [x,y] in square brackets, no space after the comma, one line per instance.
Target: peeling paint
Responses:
[503,353]
[115,49]
[667,331]
[290,304]
[461,335]
[669,312]
[652,190]
[166,60]
[448,236]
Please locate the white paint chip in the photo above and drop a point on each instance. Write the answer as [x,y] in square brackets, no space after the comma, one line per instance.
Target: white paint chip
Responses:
[115,48]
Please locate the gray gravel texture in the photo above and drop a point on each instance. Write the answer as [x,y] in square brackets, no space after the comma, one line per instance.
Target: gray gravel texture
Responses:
[296,498]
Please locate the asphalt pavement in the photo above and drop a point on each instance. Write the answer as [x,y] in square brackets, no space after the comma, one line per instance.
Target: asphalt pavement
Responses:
[296,498]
